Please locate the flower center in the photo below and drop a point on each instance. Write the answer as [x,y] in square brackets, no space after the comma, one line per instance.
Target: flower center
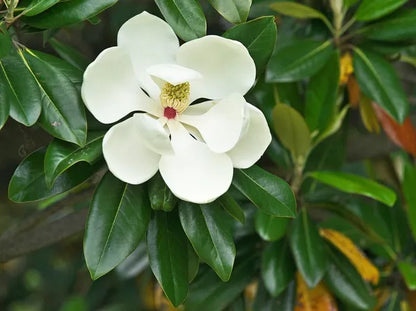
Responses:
[174,98]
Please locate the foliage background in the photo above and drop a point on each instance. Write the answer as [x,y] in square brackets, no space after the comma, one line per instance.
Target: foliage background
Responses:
[56,278]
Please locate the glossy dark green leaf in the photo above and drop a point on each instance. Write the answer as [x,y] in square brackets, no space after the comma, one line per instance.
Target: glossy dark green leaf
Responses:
[231,206]
[278,268]
[19,90]
[68,12]
[234,11]
[4,103]
[35,7]
[292,131]
[373,9]
[208,293]
[168,255]
[161,198]
[63,113]
[74,74]
[118,218]
[298,60]
[267,191]
[395,28]
[185,17]
[356,184]
[270,228]
[209,229]
[308,249]
[258,36]
[408,271]
[5,40]
[379,81]
[61,155]
[70,54]
[409,186]
[193,263]
[28,181]
[346,283]
[321,95]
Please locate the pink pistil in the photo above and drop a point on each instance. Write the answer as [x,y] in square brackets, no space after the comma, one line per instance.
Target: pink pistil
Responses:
[169,113]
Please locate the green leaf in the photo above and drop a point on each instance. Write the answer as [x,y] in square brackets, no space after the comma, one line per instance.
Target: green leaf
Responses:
[118,218]
[292,131]
[373,9]
[70,54]
[228,203]
[68,12]
[18,88]
[321,95]
[277,267]
[394,28]
[193,263]
[379,81]
[166,245]
[35,7]
[185,17]
[270,228]
[409,186]
[298,10]
[61,155]
[408,271]
[28,181]
[161,198]
[258,36]
[298,60]
[63,113]
[308,249]
[209,229]
[267,191]
[5,40]
[234,11]
[350,183]
[346,283]
[208,293]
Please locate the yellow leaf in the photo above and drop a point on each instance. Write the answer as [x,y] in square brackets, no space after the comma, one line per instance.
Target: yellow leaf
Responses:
[346,68]
[316,299]
[368,115]
[367,270]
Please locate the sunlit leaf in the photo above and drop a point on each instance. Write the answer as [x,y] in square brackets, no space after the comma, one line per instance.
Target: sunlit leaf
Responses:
[367,270]
[356,184]
[318,298]
[372,9]
[292,130]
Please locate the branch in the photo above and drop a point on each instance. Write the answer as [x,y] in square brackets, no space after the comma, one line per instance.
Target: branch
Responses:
[43,235]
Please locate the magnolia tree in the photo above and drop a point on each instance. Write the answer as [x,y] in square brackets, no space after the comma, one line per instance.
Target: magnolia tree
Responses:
[241,168]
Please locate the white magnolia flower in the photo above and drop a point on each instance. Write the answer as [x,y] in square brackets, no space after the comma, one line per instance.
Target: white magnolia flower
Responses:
[194,145]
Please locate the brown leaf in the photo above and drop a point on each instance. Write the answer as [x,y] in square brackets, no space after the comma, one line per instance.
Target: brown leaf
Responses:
[353,92]
[316,299]
[403,135]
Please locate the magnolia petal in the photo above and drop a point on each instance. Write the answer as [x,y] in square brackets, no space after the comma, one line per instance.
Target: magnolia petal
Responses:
[226,66]
[221,125]
[194,173]
[127,156]
[172,73]
[254,140]
[150,41]
[152,133]
[110,89]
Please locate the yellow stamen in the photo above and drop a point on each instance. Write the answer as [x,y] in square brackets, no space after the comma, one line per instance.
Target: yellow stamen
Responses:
[175,96]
